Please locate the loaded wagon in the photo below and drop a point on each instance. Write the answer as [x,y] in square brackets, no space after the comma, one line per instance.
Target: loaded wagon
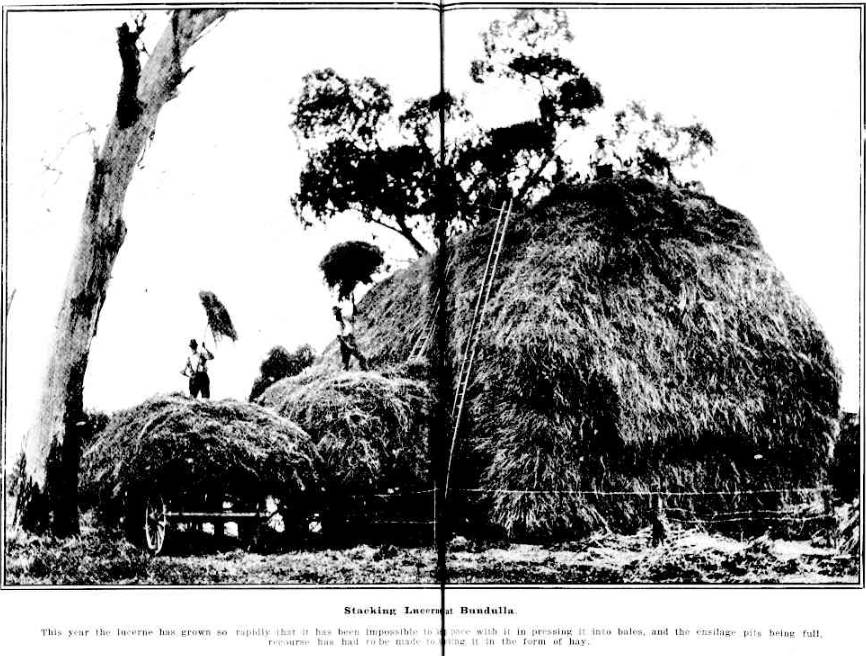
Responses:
[174,464]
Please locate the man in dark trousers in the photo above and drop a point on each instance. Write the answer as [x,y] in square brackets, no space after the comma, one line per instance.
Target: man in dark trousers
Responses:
[196,369]
[346,337]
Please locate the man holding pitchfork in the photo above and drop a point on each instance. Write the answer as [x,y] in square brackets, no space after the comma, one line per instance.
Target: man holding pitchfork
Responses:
[196,369]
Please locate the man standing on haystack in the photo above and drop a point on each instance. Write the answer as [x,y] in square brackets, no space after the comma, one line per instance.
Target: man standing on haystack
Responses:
[345,317]
[196,369]
[345,266]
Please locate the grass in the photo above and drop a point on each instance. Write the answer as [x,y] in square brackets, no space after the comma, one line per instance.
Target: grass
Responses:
[690,557]
[101,556]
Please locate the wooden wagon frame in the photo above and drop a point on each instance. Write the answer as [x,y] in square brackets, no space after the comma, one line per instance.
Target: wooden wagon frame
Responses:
[150,517]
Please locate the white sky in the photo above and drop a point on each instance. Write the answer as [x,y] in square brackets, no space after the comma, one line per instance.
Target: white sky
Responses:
[779,90]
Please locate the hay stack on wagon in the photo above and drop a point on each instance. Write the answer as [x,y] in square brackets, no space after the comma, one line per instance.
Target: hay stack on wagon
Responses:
[370,428]
[638,339]
[175,445]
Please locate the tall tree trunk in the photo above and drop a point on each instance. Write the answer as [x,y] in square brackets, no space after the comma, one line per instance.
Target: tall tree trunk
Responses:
[48,496]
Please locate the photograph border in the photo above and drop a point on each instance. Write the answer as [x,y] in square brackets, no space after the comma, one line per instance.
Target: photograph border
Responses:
[441,8]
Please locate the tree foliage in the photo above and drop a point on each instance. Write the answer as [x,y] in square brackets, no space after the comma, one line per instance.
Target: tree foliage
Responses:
[648,146]
[281,363]
[364,156]
[350,167]
[523,160]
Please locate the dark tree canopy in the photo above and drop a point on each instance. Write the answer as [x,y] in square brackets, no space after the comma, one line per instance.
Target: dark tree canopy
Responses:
[363,156]
[350,167]
[331,107]
[280,363]
[349,263]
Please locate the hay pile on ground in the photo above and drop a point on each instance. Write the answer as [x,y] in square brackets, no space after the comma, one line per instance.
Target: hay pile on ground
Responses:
[371,430]
[174,444]
[638,339]
[848,531]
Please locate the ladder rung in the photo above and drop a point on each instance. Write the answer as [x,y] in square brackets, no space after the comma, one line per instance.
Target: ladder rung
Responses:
[471,346]
[483,292]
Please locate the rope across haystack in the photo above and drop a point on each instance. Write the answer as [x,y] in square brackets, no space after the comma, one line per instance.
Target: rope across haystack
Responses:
[174,444]
[371,430]
[638,340]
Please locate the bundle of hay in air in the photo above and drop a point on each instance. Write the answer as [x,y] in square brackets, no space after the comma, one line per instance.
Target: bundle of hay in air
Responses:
[218,318]
[371,430]
[638,339]
[176,445]
[349,263]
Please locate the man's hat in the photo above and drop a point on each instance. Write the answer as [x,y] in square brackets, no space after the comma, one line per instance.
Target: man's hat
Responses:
[193,343]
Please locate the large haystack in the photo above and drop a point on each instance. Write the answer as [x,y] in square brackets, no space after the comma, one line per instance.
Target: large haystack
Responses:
[638,339]
[176,445]
[371,430]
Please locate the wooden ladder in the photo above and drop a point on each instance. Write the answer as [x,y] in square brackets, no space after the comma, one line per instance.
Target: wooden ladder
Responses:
[470,347]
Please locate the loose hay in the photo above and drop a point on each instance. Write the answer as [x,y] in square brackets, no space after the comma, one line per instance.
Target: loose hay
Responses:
[175,444]
[848,530]
[371,430]
[638,339]
[689,556]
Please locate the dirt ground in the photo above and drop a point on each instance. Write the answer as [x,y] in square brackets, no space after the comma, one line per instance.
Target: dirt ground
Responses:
[102,557]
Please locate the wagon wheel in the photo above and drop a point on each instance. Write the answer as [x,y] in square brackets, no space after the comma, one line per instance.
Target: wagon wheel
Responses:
[155,523]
